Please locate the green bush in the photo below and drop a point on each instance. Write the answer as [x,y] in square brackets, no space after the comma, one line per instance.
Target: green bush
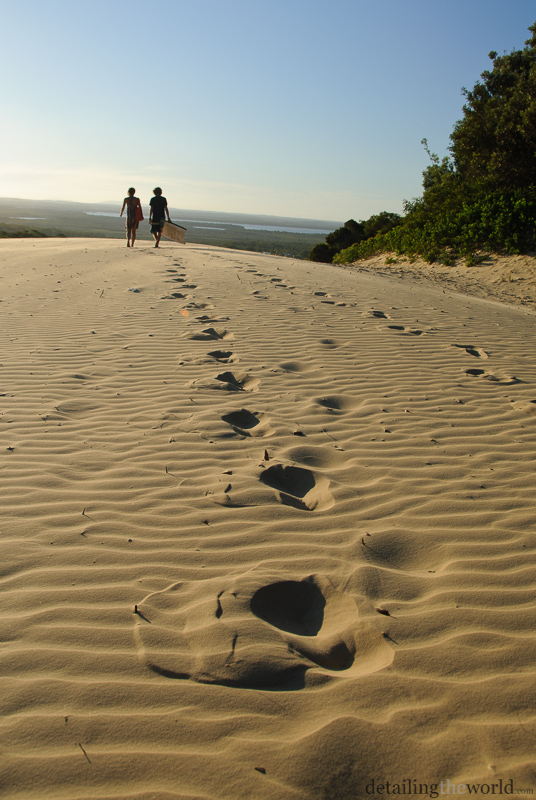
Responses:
[351,234]
[484,197]
[323,253]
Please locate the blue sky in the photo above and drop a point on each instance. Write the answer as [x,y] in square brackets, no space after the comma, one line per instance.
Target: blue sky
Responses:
[287,107]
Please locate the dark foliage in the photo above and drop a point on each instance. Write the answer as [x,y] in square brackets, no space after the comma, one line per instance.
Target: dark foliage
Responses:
[353,233]
[484,196]
[495,142]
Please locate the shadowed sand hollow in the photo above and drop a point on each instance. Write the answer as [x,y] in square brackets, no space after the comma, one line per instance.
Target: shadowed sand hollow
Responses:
[258,632]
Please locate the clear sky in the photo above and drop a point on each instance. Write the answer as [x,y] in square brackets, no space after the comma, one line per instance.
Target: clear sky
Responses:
[305,108]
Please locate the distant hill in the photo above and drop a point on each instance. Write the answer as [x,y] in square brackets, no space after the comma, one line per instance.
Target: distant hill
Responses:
[262,233]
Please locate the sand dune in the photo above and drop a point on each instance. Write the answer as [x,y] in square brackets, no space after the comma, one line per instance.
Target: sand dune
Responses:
[511,279]
[267,529]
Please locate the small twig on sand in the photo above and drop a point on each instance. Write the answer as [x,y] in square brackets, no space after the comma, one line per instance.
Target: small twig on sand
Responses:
[84,752]
[332,438]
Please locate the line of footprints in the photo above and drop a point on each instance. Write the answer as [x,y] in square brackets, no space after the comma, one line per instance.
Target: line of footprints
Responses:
[259,629]
[294,486]
[472,350]
[262,629]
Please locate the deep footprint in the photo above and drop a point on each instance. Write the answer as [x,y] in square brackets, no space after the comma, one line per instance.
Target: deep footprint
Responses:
[298,487]
[333,404]
[224,356]
[502,378]
[257,630]
[210,334]
[247,423]
[238,383]
[292,606]
[477,352]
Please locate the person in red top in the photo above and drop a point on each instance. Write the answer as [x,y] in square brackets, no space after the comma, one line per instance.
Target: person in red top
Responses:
[134,215]
[157,216]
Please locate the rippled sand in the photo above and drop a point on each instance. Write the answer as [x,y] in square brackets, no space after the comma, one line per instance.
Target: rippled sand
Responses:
[267,528]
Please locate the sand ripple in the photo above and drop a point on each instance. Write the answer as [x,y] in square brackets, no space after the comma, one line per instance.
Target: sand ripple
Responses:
[277,582]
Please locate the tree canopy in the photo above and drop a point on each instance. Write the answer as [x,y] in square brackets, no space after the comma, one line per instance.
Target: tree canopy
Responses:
[352,233]
[482,196]
[495,142]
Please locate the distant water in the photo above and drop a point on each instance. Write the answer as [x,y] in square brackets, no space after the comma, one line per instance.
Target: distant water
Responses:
[210,223]
[100,214]
[284,230]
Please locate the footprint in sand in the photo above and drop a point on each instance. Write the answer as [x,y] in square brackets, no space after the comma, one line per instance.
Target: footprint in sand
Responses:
[174,296]
[295,366]
[238,383]
[379,314]
[526,406]
[211,334]
[248,423]
[257,630]
[204,319]
[223,356]
[477,352]
[408,331]
[329,343]
[335,404]
[71,408]
[494,377]
[325,295]
[298,487]
[200,306]
[318,457]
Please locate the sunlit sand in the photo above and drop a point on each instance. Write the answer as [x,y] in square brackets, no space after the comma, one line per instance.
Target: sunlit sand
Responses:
[268,525]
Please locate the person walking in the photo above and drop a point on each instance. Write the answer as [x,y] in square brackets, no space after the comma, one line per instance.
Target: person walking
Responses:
[134,215]
[157,216]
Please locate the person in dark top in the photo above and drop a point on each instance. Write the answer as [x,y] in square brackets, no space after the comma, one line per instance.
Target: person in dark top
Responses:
[158,214]
[134,215]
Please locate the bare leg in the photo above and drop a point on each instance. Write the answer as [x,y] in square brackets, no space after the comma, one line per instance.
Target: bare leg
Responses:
[158,235]
[133,232]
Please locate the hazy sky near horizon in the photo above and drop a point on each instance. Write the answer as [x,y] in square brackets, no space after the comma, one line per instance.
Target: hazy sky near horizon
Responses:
[287,107]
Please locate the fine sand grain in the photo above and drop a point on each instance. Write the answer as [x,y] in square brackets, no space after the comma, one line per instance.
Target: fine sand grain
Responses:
[267,528]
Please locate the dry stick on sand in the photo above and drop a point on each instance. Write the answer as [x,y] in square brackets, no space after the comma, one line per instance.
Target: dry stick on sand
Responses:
[84,752]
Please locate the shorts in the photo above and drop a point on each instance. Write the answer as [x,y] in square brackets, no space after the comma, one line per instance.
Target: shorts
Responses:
[156,227]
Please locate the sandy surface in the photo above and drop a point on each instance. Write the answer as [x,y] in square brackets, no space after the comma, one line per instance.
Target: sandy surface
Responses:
[267,529]
[510,279]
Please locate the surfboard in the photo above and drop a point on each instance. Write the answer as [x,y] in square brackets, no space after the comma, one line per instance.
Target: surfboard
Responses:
[174,232]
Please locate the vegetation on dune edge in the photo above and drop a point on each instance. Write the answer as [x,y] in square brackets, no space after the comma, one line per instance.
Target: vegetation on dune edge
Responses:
[482,197]
[23,233]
